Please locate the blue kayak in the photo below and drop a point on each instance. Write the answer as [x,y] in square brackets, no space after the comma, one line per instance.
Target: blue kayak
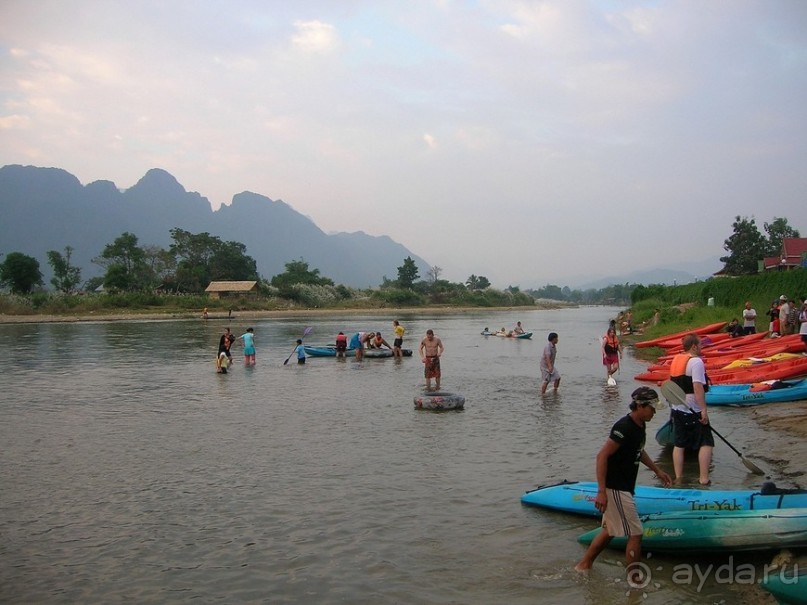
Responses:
[749,394]
[323,350]
[789,587]
[578,497]
[718,531]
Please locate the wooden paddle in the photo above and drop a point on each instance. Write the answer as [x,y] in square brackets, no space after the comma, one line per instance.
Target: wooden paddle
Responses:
[306,332]
[675,394]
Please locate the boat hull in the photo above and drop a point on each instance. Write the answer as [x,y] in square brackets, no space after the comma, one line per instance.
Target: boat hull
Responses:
[744,394]
[578,498]
[788,587]
[718,531]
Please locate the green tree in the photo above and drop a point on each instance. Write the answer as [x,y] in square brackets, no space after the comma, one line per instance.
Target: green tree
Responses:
[297,272]
[65,276]
[407,273]
[125,263]
[203,258]
[20,273]
[475,282]
[777,231]
[746,247]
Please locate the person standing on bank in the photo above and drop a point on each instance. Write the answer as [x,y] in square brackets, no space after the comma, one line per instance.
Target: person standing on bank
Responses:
[617,468]
[749,320]
[431,348]
[691,420]
[549,372]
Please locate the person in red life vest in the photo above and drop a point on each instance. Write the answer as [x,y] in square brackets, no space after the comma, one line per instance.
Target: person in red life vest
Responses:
[341,344]
[691,419]
[611,352]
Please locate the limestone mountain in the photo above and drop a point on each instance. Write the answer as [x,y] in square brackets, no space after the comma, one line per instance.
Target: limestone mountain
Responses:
[45,209]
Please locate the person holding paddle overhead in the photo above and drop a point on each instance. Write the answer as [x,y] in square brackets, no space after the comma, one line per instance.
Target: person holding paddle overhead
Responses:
[691,418]
[617,468]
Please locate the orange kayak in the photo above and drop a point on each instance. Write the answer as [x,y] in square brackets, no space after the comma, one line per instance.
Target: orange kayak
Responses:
[715,327]
[758,372]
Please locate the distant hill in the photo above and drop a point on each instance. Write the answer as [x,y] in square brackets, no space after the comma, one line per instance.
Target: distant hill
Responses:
[48,209]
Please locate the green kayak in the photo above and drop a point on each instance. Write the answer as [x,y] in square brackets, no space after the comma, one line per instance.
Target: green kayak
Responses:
[719,531]
[789,587]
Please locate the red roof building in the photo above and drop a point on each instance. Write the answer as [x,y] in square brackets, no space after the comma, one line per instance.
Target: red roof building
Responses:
[793,254]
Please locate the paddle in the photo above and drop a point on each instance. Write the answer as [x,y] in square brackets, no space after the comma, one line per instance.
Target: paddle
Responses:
[675,394]
[306,332]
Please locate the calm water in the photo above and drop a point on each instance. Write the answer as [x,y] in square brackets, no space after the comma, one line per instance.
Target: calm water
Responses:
[132,472]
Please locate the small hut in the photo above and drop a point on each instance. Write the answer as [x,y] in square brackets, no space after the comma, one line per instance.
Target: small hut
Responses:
[226,289]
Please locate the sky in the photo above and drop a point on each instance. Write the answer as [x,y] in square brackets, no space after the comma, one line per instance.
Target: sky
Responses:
[525,141]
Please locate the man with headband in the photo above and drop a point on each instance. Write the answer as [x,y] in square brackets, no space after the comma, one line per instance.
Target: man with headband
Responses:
[617,468]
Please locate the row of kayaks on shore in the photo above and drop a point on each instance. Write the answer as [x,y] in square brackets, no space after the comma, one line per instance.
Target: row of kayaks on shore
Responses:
[704,521]
[690,520]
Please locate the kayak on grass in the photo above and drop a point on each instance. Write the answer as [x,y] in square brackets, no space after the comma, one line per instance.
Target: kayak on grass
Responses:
[715,327]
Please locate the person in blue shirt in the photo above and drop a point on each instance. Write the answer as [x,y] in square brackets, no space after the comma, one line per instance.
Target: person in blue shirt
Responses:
[248,339]
[300,350]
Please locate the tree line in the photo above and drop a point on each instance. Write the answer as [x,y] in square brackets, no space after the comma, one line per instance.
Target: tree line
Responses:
[193,260]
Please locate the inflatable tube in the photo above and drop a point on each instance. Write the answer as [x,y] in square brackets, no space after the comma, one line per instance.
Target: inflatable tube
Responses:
[439,400]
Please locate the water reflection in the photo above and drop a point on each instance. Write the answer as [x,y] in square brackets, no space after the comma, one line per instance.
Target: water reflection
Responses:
[125,453]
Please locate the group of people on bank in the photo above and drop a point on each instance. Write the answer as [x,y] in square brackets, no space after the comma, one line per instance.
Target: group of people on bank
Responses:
[786,316]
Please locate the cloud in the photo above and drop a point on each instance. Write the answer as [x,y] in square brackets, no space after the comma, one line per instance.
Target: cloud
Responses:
[315,37]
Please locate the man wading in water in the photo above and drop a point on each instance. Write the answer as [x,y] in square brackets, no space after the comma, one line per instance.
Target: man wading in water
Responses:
[431,348]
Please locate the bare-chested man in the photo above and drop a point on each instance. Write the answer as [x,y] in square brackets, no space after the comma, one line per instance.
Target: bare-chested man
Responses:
[431,348]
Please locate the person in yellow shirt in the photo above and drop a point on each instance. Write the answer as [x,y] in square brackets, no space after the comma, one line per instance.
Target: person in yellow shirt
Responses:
[399,331]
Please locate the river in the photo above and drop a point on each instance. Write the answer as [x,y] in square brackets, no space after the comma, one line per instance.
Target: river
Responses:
[132,472]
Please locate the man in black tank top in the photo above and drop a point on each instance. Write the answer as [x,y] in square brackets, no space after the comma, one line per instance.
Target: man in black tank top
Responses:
[617,468]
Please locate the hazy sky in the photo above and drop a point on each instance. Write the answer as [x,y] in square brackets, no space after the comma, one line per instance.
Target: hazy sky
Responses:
[520,140]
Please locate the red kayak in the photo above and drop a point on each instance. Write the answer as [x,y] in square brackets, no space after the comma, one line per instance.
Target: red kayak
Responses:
[716,327]
[708,340]
[759,372]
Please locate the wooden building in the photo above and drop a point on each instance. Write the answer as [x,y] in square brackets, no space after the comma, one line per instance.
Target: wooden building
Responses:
[229,289]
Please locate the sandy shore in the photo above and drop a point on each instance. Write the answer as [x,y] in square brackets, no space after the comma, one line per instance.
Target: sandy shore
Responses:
[786,449]
[276,313]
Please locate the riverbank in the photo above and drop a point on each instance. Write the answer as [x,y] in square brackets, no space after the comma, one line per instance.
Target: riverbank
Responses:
[267,313]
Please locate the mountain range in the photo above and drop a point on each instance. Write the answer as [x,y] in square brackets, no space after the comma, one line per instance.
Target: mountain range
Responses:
[48,209]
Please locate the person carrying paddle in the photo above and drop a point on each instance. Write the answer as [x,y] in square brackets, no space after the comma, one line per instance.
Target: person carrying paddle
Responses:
[617,468]
[691,419]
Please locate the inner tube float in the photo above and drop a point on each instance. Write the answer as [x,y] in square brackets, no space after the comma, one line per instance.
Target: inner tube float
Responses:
[439,400]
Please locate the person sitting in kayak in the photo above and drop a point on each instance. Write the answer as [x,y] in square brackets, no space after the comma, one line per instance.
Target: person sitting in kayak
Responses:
[378,341]
[518,329]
